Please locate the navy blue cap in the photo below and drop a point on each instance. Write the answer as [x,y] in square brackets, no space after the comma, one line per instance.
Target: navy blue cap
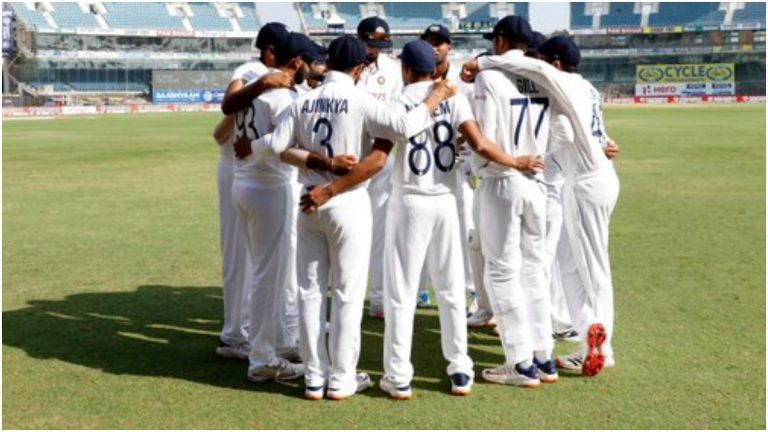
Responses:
[419,56]
[296,44]
[272,33]
[319,53]
[346,52]
[536,41]
[561,48]
[437,30]
[512,27]
[374,31]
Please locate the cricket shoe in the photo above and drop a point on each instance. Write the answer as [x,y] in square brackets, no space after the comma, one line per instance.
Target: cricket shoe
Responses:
[513,375]
[461,384]
[291,354]
[481,318]
[472,305]
[424,300]
[547,370]
[610,361]
[239,351]
[568,335]
[363,384]
[376,311]
[394,391]
[314,392]
[595,359]
[571,363]
[279,370]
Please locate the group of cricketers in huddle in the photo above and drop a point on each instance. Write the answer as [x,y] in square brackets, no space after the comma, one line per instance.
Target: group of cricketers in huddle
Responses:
[342,166]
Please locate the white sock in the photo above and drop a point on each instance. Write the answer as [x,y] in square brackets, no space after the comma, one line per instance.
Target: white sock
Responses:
[543,355]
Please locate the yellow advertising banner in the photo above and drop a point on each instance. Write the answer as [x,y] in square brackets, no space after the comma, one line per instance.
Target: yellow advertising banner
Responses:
[686,73]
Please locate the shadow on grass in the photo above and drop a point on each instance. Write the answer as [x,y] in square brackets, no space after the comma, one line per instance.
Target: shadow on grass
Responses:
[171,332]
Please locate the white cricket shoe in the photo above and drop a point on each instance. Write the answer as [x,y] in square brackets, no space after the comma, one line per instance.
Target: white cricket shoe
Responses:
[513,375]
[461,384]
[234,351]
[472,305]
[291,354]
[363,384]
[567,335]
[481,318]
[314,393]
[394,391]
[279,370]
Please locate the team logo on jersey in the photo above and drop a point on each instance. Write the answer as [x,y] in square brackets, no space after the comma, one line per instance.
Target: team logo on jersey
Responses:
[380,80]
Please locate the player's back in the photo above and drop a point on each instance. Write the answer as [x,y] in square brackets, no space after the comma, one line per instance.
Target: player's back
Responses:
[424,163]
[331,122]
[514,113]
[257,120]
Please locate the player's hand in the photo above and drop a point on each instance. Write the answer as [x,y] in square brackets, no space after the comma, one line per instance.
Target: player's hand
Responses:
[317,196]
[278,80]
[243,147]
[612,149]
[469,71]
[443,89]
[343,164]
[529,163]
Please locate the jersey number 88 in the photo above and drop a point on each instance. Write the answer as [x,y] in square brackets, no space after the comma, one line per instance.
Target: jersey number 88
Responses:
[443,135]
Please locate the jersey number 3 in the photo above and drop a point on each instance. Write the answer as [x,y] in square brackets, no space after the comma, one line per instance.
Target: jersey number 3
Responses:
[325,142]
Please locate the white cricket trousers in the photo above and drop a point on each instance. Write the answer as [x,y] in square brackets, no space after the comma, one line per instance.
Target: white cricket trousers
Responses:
[513,221]
[561,320]
[335,239]
[476,259]
[379,191]
[235,262]
[266,215]
[420,228]
[588,202]
[465,201]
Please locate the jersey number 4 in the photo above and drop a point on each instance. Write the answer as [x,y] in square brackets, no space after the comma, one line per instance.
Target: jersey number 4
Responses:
[524,103]
[444,140]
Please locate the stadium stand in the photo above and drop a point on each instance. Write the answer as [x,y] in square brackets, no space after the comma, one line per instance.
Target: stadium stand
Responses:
[672,14]
[406,16]
[31,16]
[67,14]
[249,20]
[206,17]
[150,16]
[753,12]
[621,15]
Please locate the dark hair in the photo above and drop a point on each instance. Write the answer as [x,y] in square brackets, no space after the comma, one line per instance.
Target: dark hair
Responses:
[341,65]
[570,68]
[283,57]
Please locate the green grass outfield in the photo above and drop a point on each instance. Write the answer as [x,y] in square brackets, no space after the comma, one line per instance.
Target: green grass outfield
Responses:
[112,298]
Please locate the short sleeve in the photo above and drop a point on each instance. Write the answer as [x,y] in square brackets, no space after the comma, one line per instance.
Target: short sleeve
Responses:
[462,110]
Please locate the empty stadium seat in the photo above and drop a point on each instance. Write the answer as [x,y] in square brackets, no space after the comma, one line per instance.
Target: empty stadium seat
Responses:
[249,21]
[206,17]
[621,15]
[30,17]
[150,16]
[409,16]
[675,14]
[753,13]
[69,15]
[579,19]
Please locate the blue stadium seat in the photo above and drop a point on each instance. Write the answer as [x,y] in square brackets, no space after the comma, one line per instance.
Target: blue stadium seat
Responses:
[578,18]
[753,13]
[69,15]
[249,21]
[207,18]
[676,14]
[150,16]
[620,15]
[30,17]
[413,15]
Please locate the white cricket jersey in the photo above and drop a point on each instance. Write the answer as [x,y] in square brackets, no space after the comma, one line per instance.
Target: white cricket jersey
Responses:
[250,71]
[382,79]
[576,98]
[337,118]
[260,119]
[560,137]
[513,112]
[454,76]
[424,163]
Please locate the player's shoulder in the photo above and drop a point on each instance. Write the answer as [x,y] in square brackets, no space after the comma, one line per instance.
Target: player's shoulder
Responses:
[250,71]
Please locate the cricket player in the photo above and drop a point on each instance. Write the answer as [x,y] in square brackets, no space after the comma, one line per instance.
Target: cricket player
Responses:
[423,225]
[439,37]
[236,264]
[336,118]
[589,194]
[514,112]
[267,201]
[382,80]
